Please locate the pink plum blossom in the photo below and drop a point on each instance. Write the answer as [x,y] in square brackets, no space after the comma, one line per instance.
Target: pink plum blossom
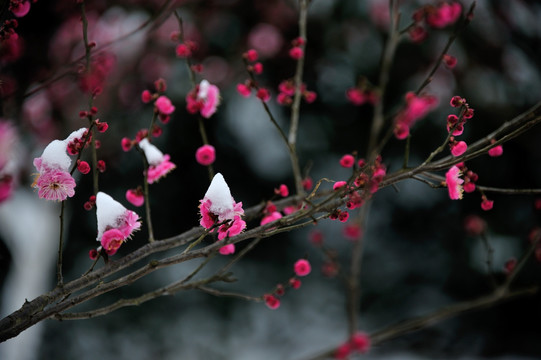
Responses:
[454,183]
[275,215]
[116,224]
[218,206]
[459,148]
[302,267]
[164,105]
[135,196]
[227,249]
[496,151]
[417,107]
[55,185]
[271,301]
[205,155]
[159,164]
[204,99]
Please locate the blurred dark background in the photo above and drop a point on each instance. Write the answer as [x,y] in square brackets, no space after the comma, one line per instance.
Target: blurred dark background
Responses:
[418,256]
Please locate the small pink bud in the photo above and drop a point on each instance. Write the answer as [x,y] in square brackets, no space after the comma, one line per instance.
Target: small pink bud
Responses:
[307,183]
[102,126]
[316,238]
[282,190]
[510,265]
[83,167]
[486,204]
[205,155]
[474,225]
[459,148]
[146,96]
[251,55]
[244,90]
[449,61]
[302,267]
[93,254]
[271,301]
[496,151]
[294,283]
[339,184]
[347,161]
[263,94]
[126,144]
[101,166]
[296,53]
[310,96]
[258,68]
[135,196]
[183,51]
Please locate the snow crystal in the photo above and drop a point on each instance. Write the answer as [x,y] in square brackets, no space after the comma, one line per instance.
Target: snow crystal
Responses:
[153,155]
[55,155]
[220,195]
[108,212]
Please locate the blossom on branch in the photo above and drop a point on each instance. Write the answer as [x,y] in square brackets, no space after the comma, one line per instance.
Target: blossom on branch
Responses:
[159,164]
[54,181]
[204,99]
[416,108]
[218,206]
[116,224]
[454,183]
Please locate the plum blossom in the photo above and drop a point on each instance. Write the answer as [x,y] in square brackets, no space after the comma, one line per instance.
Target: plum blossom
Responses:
[159,164]
[205,155]
[416,108]
[218,206]
[116,224]
[302,267]
[54,181]
[454,183]
[204,99]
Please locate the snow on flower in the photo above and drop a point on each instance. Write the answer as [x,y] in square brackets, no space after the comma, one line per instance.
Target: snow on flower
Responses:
[53,181]
[218,206]
[204,99]
[454,183]
[116,224]
[159,164]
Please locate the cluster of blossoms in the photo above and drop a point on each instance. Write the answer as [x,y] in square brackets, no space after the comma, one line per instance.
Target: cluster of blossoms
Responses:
[456,185]
[287,90]
[54,181]
[437,17]
[203,99]
[455,125]
[162,104]
[296,52]
[253,67]
[416,108]
[359,96]
[301,268]
[219,208]
[116,224]
[357,343]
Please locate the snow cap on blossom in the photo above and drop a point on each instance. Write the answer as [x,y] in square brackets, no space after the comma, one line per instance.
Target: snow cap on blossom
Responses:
[159,163]
[210,94]
[218,206]
[454,183]
[115,223]
[164,105]
[53,181]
